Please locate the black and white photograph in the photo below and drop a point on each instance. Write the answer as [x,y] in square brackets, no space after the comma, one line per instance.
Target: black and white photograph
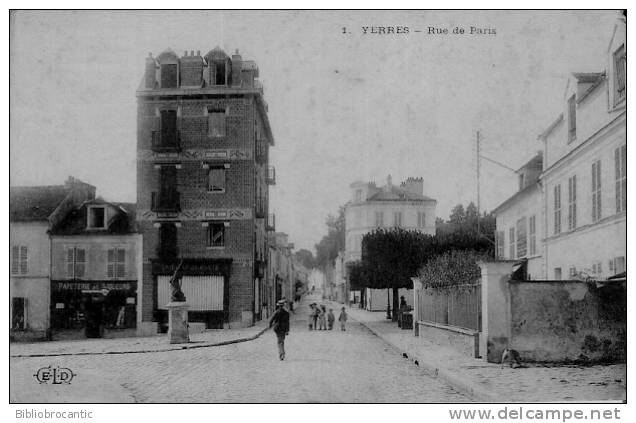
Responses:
[319,206]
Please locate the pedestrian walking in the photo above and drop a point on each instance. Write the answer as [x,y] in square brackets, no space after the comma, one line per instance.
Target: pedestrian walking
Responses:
[330,319]
[323,317]
[280,323]
[342,318]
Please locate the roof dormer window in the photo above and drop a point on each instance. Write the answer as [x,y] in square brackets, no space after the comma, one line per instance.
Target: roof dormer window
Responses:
[169,76]
[572,118]
[96,217]
[620,74]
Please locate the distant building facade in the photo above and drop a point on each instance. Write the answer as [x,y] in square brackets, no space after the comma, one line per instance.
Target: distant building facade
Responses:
[95,269]
[33,212]
[390,206]
[202,187]
[520,218]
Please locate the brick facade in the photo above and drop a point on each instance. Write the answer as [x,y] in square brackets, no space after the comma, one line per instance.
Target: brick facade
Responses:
[232,148]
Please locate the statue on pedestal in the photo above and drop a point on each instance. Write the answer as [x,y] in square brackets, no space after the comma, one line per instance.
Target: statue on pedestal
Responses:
[175,282]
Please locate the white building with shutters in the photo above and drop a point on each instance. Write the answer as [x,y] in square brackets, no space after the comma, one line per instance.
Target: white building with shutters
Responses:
[581,213]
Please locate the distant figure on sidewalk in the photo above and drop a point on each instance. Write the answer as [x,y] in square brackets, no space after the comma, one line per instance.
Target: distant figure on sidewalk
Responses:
[404,308]
[342,319]
[316,316]
[310,317]
[280,323]
[330,319]
[323,317]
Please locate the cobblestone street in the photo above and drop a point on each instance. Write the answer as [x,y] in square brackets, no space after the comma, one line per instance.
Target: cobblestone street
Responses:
[321,366]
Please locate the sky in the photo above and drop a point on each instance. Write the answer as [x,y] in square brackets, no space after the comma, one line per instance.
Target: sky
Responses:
[344,105]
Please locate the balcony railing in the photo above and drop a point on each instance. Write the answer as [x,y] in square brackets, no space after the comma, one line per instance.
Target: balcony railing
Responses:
[271,175]
[261,210]
[164,143]
[166,202]
[271,222]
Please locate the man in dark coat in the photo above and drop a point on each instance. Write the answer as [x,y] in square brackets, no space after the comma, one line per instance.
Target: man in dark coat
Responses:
[280,323]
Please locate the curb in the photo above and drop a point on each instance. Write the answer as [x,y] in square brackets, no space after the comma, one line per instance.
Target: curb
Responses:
[186,347]
[474,390]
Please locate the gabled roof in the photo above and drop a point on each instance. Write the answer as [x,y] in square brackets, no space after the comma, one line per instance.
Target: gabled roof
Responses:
[35,203]
[397,194]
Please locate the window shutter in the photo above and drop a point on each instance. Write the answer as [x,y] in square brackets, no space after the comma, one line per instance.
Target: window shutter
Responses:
[15,260]
[110,271]
[80,262]
[120,270]
[69,262]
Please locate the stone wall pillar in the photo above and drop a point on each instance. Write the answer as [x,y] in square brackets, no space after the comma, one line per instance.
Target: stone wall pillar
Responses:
[417,287]
[495,308]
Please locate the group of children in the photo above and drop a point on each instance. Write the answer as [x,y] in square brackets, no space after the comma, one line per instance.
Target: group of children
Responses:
[321,319]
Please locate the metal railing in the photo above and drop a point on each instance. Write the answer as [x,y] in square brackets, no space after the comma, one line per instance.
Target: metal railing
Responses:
[457,305]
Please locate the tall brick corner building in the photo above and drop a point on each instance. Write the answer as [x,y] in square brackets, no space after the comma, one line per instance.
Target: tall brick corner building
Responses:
[202,187]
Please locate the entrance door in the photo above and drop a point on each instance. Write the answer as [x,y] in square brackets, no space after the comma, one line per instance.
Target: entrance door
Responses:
[94,316]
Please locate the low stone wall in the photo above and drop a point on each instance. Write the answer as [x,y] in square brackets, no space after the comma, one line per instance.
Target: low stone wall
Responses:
[463,340]
[555,321]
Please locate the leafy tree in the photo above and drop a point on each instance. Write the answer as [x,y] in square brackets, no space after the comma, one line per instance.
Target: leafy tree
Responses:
[390,258]
[457,216]
[454,267]
[332,243]
[306,258]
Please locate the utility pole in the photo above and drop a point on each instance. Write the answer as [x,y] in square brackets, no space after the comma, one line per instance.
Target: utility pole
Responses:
[478,208]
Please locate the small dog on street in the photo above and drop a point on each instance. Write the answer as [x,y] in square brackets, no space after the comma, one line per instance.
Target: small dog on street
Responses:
[510,355]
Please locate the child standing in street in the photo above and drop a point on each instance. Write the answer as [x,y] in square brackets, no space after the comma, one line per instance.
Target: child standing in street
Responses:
[342,319]
[330,319]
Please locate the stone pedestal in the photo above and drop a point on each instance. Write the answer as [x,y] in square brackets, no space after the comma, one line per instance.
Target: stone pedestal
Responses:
[178,322]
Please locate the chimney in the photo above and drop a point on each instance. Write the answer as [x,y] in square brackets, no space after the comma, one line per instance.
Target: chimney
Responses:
[237,65]
[150,75]
[414,185]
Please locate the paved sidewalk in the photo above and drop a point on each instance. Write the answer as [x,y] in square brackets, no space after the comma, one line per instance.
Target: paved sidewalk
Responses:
[158,343]
[487,382]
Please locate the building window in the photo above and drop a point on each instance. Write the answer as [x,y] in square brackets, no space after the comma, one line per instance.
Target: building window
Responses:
[216,235]
[169,76]
[499,240]
[421,219]
[511,240]
[617,265]
[357,217]
[397,219]
[379,219]
[216,122]
[522,239]
[96,217]
[116,263]
[557,274]
[572,272]
[219,73]
[75,262]
[557,209]
[168,128]
[19,260]
[596,191]
[596,268]
[216,179]
[168,240]
[532,235]
[572,118]
[358,195]
[521,181]
[620,166]
[620,74]
[572,203]
[18,313]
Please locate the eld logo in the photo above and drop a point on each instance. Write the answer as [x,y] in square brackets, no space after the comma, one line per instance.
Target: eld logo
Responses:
[54,375]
